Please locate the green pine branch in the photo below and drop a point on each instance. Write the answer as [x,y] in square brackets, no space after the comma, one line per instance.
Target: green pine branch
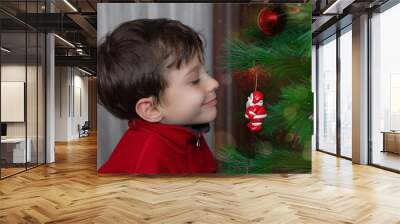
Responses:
[292,113]
[286,58]
[269,159]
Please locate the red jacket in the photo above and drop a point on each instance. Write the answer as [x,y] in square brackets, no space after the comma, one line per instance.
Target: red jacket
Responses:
[155,148]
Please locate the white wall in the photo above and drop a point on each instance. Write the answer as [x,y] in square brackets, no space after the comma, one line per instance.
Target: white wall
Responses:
[33,126]
[79,117]
[16,73]
[70,83]
[61,103]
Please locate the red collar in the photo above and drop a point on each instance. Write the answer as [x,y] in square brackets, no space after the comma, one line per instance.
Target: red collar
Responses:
[180,136]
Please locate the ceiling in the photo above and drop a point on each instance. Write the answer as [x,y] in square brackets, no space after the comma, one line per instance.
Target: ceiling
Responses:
[76,22]
[330,15]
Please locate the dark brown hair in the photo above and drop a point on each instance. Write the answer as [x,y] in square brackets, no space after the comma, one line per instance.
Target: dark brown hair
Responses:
[133,59]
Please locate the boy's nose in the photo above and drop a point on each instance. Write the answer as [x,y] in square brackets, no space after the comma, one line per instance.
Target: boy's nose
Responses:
[213,85]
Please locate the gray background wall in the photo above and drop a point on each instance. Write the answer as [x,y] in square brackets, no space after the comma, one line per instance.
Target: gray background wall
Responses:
[71,102]
[109,16]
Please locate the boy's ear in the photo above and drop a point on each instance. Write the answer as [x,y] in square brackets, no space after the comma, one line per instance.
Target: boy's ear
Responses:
[147,109]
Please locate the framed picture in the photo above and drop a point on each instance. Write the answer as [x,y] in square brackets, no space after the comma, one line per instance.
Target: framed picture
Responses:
[188,88]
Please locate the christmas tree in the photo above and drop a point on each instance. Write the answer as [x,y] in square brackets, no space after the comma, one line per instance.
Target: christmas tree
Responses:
[273,56]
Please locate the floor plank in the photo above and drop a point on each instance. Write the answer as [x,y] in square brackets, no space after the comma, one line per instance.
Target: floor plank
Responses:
[70,191]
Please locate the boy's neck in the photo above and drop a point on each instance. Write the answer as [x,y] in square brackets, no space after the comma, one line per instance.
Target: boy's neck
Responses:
[201,128]
[204,128]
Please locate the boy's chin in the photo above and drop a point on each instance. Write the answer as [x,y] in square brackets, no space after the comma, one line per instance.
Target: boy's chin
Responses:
[204,120]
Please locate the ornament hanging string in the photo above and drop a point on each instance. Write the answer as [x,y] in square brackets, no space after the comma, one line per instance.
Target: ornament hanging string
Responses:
[255,87]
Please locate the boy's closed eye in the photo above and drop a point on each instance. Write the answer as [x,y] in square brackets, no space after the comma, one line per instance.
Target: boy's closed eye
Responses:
[195,78]
[196,81]
[195,74]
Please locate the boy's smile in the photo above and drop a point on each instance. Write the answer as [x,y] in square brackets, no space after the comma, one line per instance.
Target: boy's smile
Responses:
[211,103]
[190,96]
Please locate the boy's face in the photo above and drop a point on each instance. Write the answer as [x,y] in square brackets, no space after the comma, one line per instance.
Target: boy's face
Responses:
[190,97]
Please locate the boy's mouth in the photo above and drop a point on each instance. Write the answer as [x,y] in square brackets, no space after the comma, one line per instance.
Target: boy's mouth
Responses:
[212,102]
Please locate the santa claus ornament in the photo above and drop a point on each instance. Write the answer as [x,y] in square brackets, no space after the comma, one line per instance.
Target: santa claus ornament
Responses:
[255,110]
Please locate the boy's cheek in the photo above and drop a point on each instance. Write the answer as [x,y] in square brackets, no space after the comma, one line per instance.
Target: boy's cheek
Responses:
[192,98]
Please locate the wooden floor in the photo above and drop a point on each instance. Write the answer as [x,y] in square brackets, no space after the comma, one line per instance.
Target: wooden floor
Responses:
[387,159]
[70,191]
[10,171]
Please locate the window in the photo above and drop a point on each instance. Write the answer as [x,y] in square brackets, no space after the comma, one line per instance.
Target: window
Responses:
[346,92]
[385,89]
[22,65]
[327,95]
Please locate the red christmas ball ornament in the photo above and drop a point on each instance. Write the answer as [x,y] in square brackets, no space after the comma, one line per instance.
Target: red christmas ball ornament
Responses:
[253,70]
[243,80]
[246,79]
[295,9]
[271,21]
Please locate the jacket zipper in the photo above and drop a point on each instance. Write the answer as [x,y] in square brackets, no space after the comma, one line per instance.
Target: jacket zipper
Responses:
[198,140]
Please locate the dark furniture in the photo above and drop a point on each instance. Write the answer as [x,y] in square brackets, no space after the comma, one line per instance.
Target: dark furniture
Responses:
[84,130]
[3,129]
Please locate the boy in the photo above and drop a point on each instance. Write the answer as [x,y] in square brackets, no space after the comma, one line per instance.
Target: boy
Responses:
[151,72]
